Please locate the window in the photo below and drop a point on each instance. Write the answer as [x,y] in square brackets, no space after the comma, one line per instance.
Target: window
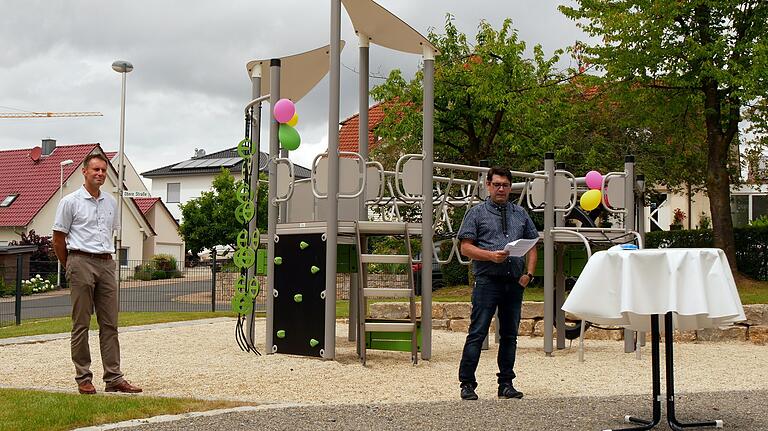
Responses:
[740,210]
[8,200]
[174,193]
[123,257]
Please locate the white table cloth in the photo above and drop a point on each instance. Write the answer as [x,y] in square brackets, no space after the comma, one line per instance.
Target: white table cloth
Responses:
[624,287]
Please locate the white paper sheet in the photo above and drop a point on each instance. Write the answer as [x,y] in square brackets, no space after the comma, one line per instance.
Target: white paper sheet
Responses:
[519,247]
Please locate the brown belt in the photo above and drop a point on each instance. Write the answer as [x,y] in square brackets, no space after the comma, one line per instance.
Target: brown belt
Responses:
[103,256]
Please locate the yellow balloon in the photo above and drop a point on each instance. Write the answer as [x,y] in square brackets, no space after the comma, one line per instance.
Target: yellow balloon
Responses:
[295,119]
[590,200]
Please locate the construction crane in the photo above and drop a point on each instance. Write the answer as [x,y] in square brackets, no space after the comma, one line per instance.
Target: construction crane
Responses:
[48,114]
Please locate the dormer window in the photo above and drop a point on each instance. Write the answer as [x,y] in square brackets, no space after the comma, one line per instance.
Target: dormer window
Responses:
[8,200]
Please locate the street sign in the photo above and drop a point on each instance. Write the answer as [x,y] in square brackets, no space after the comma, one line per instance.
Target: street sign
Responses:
[136,194]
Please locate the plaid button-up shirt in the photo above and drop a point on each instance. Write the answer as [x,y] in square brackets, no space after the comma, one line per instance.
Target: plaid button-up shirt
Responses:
[490,227]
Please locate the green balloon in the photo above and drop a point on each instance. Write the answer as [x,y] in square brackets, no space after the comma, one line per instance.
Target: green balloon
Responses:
[289,137]
[303,245]
[278,260]
[313,342]
[314,269]
[298,297]
[281,333]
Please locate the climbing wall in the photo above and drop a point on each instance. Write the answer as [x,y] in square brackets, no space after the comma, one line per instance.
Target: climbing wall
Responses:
[299,313]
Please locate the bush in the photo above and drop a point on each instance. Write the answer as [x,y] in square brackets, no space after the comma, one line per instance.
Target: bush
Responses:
[143,272]
[5,290]
[751,246]
[36,284]
[454,273]
[161,266]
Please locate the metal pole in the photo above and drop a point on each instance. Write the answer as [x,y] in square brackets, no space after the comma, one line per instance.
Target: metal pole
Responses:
[629,225]
[362,147]
[213,280]
[274,96]
[549,252]
[19,263]
[560,278]
[255,156]
[332,230]
[427,245]
[120,169]
[61,196]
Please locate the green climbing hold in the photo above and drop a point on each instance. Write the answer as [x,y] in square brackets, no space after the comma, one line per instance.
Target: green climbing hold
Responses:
[278,260]
[303,245]
[314,269]
[297,297]
[313,342]
[281,333]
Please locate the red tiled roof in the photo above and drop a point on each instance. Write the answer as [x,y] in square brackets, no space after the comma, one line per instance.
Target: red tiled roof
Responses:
[110,154]
[348,134]
[145,204]
[35,182]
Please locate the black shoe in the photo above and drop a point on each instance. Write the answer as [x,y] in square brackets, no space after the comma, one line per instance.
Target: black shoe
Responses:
[468,391]
[506,390]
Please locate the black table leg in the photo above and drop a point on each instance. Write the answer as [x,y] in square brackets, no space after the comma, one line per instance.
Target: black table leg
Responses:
[656,375]
[670,363]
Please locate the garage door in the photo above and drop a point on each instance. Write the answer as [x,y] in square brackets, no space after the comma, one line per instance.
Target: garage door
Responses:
[172,249]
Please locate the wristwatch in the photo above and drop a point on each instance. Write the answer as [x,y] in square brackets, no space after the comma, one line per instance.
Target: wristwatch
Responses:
[530,277]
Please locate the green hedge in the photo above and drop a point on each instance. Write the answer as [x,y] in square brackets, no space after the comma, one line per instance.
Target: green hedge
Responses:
[751,246]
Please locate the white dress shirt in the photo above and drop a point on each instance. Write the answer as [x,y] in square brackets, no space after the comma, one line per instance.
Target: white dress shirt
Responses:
[88,222]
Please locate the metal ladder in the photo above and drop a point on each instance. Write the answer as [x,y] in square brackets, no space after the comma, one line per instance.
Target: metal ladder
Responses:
[364,229]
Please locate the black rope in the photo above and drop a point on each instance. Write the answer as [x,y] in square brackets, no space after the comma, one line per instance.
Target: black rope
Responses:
[240,336]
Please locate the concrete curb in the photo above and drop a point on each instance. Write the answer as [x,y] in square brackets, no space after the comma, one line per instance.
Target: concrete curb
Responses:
[172,418]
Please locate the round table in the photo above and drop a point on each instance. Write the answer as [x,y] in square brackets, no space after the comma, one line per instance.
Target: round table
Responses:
[693,288]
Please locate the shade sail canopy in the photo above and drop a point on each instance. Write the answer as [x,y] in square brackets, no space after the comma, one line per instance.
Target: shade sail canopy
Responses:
[299,73]
[384,28]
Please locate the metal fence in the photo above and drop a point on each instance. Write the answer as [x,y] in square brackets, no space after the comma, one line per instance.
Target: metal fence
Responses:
[143,287]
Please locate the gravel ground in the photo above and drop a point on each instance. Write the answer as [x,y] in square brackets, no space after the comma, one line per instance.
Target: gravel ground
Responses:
[202,360]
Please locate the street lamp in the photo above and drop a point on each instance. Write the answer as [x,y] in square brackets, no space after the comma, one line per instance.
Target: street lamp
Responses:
[61,196]
[123,67]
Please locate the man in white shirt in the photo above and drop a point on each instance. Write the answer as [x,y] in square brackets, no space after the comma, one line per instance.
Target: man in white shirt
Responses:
[82,240]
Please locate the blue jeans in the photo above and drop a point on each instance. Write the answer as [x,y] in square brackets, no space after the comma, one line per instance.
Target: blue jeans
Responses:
[491,293]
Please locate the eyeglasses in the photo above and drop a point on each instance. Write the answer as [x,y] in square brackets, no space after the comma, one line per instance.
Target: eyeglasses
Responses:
[500,185]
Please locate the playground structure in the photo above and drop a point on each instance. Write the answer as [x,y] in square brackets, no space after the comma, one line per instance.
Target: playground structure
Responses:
[319,227]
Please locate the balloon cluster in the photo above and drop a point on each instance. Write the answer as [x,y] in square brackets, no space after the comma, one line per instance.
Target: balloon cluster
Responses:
[285,114]
[592,198]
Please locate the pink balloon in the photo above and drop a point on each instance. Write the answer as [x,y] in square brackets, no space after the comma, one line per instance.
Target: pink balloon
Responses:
[284,110]
[594,180]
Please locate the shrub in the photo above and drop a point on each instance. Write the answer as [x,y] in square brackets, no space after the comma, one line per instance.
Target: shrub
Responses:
[751,246]
[4,289]
[36,284]
[143,272]
[161,266]
[454,273]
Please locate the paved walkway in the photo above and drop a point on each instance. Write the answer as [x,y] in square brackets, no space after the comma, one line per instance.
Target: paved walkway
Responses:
[739,411]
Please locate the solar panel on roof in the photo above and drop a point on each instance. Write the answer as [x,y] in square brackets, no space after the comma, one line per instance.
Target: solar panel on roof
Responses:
[182,165]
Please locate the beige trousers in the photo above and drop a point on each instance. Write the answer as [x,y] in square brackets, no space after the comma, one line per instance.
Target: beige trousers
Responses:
[93,286]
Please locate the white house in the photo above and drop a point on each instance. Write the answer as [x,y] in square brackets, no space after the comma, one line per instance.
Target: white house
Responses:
[180,182]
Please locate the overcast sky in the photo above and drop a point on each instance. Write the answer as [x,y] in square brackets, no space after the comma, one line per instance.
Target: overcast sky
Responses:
[189,84]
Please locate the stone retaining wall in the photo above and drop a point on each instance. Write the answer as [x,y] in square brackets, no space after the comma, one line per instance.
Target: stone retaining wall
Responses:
[454,316]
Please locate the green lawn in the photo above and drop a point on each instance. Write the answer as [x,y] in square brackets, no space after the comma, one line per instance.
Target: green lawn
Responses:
[28,410]
[64,324]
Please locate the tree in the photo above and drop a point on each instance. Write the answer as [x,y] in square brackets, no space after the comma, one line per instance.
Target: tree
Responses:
[490,102]
[716,50]
[209,220]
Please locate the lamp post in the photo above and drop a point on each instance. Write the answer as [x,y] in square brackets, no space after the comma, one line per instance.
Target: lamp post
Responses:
[122,67]
[61,196]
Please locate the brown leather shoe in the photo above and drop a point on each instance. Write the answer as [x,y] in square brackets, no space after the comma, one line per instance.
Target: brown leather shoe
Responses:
[86,388]
[124,387]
